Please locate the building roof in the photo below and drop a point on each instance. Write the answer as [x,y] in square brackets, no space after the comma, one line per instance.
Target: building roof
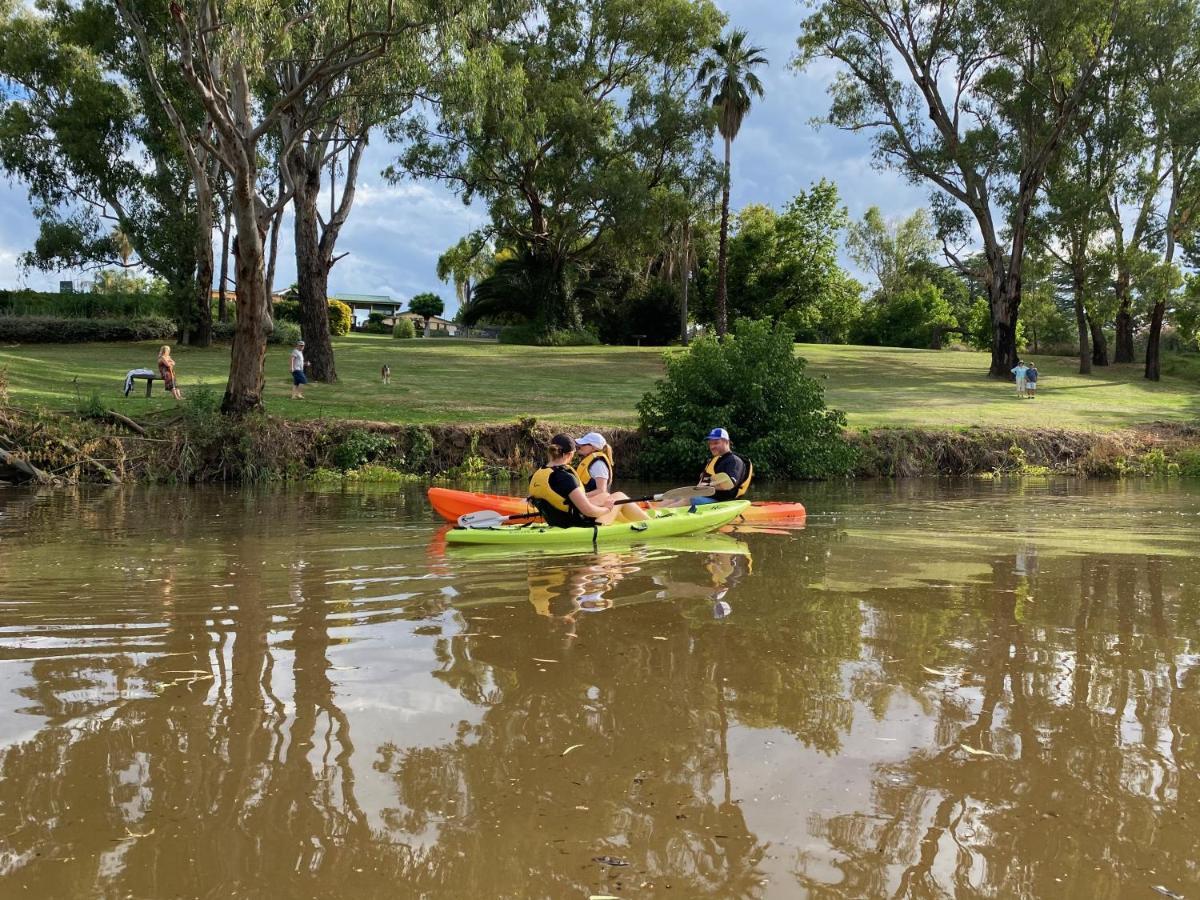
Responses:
[380,299]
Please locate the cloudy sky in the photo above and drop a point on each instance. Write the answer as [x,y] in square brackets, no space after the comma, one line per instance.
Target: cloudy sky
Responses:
[396,232]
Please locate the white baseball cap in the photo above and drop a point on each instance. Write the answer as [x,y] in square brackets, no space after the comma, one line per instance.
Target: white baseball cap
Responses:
[592,438]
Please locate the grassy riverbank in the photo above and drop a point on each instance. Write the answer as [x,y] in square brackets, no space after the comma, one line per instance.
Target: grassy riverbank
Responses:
[459,382]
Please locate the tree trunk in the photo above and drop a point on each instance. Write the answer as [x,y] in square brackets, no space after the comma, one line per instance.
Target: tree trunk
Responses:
[1004,289]
[222,291]
[202,313]
[276,221]
[1123,352]
[312,268]
[722,318]
[686,276]
[1081,324]
[1153,372]
[1099,343]
[243,391]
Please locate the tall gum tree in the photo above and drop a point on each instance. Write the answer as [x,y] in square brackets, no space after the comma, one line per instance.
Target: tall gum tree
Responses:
[972,97]
[82,127]
[565,128]
[326,132]
[222,51]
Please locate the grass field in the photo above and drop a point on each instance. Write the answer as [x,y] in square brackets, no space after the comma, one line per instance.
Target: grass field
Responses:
[459,381]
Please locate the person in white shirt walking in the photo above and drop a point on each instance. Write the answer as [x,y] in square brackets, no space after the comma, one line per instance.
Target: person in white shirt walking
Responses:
[297,367]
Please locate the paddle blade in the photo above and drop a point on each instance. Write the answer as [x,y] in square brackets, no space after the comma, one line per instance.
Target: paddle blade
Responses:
[687,493]
[484,518]
[721,481]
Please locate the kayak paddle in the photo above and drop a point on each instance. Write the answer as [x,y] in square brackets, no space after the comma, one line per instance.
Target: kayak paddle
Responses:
[489,518]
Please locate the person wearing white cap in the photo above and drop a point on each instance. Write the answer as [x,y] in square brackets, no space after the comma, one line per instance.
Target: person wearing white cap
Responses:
[595,467]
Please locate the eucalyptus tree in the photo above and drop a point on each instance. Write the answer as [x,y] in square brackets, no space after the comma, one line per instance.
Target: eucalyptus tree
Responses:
[466,264]
[82,128]
[326,130]
[1172,52]
[890,250]
[728,81]
[973,97]
[565,127]
[222,52]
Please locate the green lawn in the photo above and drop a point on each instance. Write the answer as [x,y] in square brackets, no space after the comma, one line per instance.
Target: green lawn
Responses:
[459,381]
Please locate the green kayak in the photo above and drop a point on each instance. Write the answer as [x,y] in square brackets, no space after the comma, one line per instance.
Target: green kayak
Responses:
[661,548]
[663,523]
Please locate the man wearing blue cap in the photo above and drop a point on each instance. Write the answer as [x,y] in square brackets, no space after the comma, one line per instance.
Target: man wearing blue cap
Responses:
[729,473]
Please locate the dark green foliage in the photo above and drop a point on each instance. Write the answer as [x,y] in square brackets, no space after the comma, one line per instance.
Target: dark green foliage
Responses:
[375,324]
[754,385]
[916,316]
[535,335]
[650,309]
[418,450]
[520,289]
[286,310]
[83,306]
[286,333]
[358,447]
[55,330]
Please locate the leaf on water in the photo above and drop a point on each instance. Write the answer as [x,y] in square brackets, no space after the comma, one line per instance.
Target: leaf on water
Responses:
[610,860]
[941,672]
[974,751]
[569,749]
[134,834]
[603,897]
[537,659]
[1166,892]
[659,637]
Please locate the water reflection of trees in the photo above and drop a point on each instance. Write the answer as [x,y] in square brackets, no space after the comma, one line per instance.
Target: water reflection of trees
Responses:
[1070,675]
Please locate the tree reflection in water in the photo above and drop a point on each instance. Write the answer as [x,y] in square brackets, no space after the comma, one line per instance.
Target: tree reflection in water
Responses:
[1019,715]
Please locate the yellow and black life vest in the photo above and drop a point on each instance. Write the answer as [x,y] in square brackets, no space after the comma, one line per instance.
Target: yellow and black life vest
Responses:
[739,488]
[555,507]
[585,477]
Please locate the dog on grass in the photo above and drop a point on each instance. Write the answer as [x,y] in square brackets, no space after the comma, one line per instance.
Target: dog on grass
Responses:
[386,373]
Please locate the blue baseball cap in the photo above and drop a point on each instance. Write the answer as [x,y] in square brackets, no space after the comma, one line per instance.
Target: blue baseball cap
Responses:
[717,434]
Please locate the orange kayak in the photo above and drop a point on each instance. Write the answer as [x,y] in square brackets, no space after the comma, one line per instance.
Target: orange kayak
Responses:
[450,504]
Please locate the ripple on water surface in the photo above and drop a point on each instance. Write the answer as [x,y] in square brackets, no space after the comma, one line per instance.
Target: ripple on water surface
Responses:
[932,689]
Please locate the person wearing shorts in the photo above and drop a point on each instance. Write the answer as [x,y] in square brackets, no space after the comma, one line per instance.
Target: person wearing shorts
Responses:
[297,367]
[1031,377]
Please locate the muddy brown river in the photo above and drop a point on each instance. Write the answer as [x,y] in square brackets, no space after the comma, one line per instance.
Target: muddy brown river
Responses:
[931,690]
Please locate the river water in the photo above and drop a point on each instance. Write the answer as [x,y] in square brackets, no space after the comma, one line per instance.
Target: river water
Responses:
[931,690]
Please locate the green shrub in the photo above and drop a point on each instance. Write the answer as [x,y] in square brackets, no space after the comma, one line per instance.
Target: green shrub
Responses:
[1189,463]
[286,333]
[912,318]
[403,330]
[754,385]
[340,318]
[62,330]
[286,310]
[358,447]
[418,452]
[374,324]
[537,336]
[84,306]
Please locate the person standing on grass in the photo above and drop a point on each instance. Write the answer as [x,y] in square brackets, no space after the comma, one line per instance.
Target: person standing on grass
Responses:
[297,367]
[1020,370]
[166,371]
[1031,377]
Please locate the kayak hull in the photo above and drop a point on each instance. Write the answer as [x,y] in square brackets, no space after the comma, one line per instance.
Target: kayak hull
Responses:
[450,504]
[663,523]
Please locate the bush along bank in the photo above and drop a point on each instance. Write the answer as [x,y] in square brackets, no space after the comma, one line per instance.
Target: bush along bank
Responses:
[197,444]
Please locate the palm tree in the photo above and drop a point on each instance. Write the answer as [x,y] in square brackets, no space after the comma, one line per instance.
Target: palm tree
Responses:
[727,80]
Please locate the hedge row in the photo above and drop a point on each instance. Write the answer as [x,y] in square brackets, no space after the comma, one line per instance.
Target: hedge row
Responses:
[83,305]
[64,330]
[284,333]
